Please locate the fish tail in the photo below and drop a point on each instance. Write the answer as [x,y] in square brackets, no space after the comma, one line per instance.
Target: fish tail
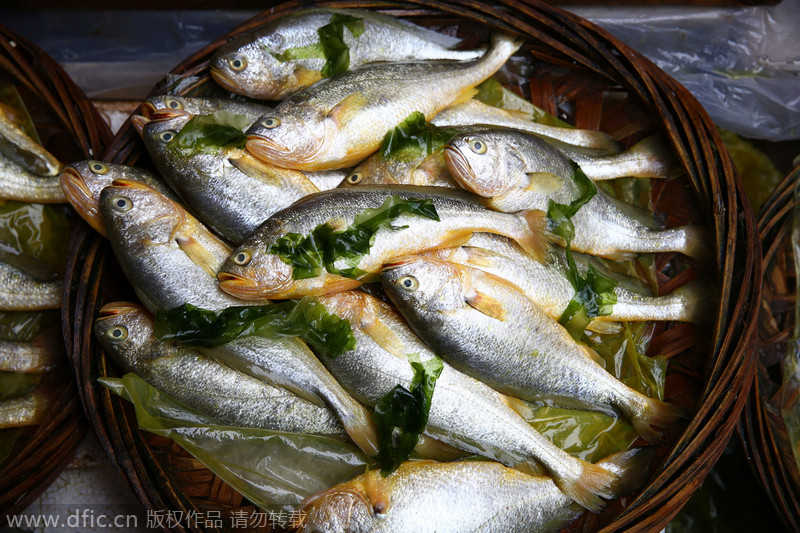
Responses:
[534,239]
[590,486]
[360,427]
[502,46]
[656,157]
[696,242]
[699,301]
[656,413]
[631,468]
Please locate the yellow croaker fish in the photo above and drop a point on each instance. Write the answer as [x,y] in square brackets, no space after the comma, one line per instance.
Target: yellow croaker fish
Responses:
[83,181]
[255,270]
[487,328]
[17,146]
[520,172]
[464,412]
[285,55]
[459,497]
[29,409]
[340,122]
[41,354]
[19,291]
[164,105]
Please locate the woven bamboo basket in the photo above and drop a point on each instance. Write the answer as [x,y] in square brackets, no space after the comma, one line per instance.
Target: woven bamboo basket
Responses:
[762,429]
[71,129]
[592,80]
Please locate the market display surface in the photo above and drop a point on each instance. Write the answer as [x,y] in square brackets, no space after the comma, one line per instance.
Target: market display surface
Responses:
[368,304]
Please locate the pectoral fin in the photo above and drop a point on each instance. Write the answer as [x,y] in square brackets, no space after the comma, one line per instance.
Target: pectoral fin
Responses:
[544,182]
[386,338]
[199,254]
[487,305]
[347,108]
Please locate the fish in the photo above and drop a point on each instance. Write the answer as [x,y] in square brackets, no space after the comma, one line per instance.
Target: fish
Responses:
[252,271]
[340,122]
[229,190]
[169,257]
[474,111]
[231,397]
[167,104]
[21,185]
[464,412]
[547,284]
[285,55]
[485,327]
[524,173]
[19,291]
[457,497]
[29,409]
[82,182]
[23,151]
[41,354]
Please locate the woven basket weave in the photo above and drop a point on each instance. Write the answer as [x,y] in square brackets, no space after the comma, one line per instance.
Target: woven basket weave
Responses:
[762,428]
[592,80]
[71,129]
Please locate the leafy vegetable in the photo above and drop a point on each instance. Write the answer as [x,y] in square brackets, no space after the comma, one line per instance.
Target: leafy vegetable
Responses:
[406,410]
[211,133]
[34,237]
[308,319]
[272,469]
[331,37]
[323,247]
[415,136]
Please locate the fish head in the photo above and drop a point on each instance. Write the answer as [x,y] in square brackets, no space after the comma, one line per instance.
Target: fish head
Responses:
[82,183]
[378,170]
[476,161]
[342,508]
[124,330]
[425,284]
[288,139]
[250,273]
[135,212]
[166,103]
[250,65]
[160,134]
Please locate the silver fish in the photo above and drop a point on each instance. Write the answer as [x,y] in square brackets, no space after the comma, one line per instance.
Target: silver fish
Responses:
[476,112]
[547,285]
[82,182]
[230,191]
[193,105]
[459,497]
[253,272]
[17,183]
[41,354]
[169,257]
[521,172]
[125,330]
[487,328]
[20,291]
[340,122]
[285,55]
[29,409]
[464,413]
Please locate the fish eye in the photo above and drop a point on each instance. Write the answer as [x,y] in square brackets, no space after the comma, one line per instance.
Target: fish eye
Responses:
[477,146]
[173,104]
[117,334]
[242,257]
[98,167]
[355,178]
[166,136]
[121,203]
[271,122]
[408,283]
[237,63]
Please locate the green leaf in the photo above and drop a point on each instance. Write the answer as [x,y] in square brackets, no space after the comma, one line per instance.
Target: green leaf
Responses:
[211,133]
[331,38]
[274,470]
[312,51]
[323,247]
[407,410]
[492,92]
[326,334]
[34,237]
[414,137]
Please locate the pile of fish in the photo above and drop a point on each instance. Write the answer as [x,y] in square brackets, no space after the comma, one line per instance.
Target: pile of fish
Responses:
[466,265]
[32,353]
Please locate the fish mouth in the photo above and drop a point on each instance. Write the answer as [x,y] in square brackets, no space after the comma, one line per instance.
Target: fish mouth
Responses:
[222,79]
[256,144]
[139,122]
[239,286]
[397,262]
[457,164]
[117,308]
[80,196]
[154,113]
[123,183]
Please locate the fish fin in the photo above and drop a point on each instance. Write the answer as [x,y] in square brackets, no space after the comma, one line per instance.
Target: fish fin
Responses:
[258,169]
[605,327]
[488,305]
[521,407]
[531,468]
[544,181]
[592,483]
[306,77]
[659,414]
[361,428]
[436,450]
[631,466]
[534,241]
[697,242]
[199,254]
[347,108]
[699,301]
[465,96]
[658,160]
[480,257]
[385,337]
[594,356]
[433,165]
